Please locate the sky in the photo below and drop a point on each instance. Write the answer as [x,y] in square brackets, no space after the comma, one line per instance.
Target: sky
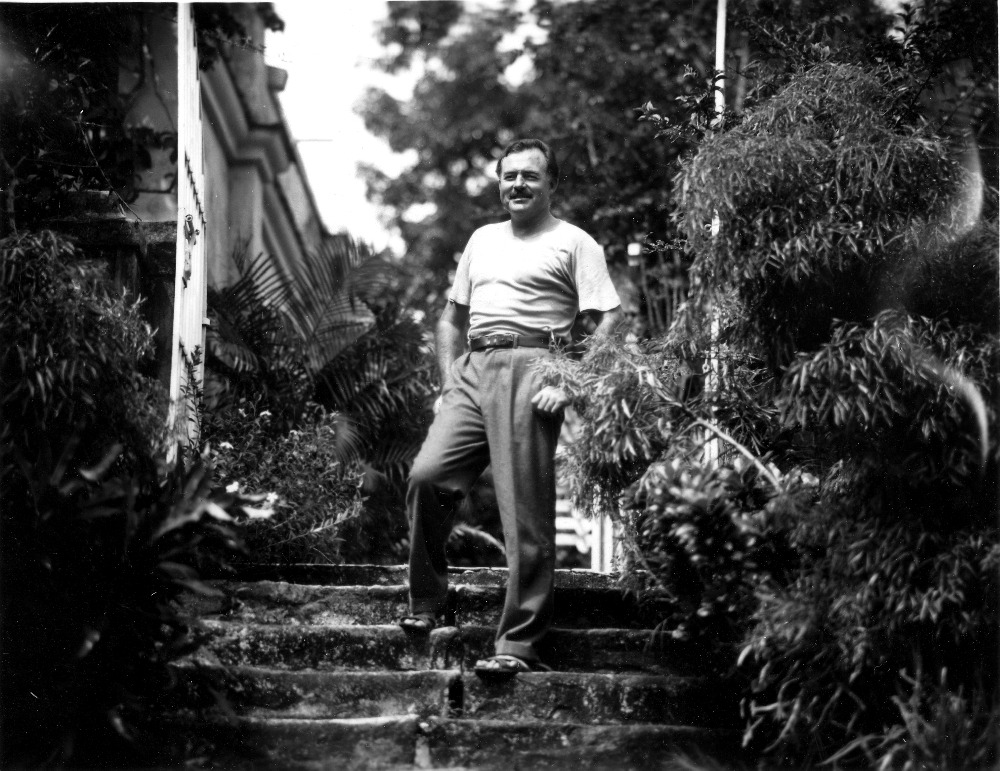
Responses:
[327,49]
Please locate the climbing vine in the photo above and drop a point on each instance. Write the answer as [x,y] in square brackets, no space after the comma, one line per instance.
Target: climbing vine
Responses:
[63,112]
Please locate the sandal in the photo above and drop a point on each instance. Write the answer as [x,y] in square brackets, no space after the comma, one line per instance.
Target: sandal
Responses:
[505,664]
[418,622]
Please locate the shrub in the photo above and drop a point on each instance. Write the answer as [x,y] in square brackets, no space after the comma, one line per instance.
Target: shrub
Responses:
[334,333]
[705,538]
[311,485]
[832,301]
[72,358]
[823,247]
[624,401]
[99,536]
[817,193]
[942,727]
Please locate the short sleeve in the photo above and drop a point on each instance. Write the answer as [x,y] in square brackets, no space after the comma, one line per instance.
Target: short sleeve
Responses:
[593,282]
[461,289]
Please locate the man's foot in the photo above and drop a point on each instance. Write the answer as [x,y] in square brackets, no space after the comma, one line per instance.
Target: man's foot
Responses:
[505,664]
[418,622]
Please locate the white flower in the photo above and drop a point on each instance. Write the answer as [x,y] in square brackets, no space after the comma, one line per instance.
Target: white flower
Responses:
[225,446]
[265,414]
[271,499]
[232,487]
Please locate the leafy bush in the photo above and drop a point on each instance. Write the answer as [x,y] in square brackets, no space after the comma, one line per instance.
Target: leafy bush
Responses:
[702,536]
[817,189]
[312,487]
[893,389]
[823,245]
[845,530]
[624,402]
[72,358]
[383,384]
[942,728]
[99,536]
[333,333]
[63,119]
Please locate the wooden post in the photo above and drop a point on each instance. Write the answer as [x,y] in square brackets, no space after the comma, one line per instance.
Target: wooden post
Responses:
[190,290]
[712,378]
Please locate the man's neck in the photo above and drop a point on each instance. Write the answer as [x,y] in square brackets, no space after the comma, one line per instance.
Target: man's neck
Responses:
[522,229]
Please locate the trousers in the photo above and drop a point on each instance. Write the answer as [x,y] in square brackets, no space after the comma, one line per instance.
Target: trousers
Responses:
[486,416]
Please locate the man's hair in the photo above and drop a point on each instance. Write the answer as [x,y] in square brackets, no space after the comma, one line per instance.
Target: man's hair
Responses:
[520,145]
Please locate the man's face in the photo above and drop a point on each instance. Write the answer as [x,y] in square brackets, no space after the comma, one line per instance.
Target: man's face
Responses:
[525,188]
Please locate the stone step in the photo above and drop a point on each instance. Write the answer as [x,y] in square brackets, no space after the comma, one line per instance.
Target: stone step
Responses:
[584,698]
[406,742]
[280,602]
[328,648]
[590,698]
[261,693]
[269,744]
[397,575]
[504,745]
[339,648]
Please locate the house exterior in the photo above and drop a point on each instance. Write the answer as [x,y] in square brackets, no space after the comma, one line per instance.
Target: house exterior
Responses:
[237,183]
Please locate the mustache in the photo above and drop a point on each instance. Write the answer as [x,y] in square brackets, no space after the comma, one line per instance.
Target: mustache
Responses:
[520,193]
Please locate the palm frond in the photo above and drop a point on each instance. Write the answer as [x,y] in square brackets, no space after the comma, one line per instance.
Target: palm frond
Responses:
[246,326]
[322,306]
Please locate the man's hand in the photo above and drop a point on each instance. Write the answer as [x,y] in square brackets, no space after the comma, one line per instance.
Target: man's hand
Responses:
[550,400]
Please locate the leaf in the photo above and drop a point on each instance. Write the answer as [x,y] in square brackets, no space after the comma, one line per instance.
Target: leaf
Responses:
[177,570]
[94,473]
[199,587]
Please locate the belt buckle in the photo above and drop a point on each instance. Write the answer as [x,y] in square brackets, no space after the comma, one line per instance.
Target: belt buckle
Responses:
[505,340]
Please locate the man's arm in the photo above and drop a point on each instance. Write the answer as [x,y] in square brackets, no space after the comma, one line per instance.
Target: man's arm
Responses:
[450,335]
[606,322]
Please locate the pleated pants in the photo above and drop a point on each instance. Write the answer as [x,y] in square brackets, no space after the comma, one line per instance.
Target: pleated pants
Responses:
[487,416]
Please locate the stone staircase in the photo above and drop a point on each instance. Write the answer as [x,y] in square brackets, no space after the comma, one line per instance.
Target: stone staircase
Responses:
[304,668]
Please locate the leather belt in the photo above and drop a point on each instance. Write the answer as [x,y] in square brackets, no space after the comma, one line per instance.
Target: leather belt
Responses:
[508,341]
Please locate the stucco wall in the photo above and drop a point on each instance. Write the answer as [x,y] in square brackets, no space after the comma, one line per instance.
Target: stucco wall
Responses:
[253,174]
[221,270]
[293,186]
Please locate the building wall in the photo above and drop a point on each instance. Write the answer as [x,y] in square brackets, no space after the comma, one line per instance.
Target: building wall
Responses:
[221,271]
[253,173]
[255,193]
[270,208]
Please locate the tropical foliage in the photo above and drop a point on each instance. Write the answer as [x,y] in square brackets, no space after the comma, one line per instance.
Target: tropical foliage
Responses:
[317,380]
[823,498]
[312,489]
[100,537]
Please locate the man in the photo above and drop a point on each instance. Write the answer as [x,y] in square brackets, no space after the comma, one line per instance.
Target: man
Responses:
[519,288]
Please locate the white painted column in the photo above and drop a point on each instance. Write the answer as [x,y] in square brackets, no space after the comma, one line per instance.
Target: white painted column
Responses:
[712,365]
[190,275]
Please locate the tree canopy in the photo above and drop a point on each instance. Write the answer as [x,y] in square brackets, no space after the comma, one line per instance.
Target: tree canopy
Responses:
[592,66]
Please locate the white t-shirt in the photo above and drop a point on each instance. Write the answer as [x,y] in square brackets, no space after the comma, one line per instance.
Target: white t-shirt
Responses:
[523,285]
